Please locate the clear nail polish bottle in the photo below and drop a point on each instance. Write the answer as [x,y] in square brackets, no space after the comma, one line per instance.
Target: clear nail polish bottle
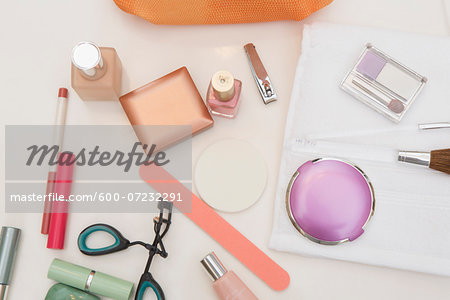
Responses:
[223,94]
[96,72]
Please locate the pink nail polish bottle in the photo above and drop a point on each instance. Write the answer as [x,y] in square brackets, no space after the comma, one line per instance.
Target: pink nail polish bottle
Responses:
[227,284]
[223,94]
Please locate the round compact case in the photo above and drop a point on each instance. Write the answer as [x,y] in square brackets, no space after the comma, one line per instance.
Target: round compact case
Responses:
[330,201]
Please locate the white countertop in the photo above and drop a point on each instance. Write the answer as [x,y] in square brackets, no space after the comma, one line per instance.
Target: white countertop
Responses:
[37,38]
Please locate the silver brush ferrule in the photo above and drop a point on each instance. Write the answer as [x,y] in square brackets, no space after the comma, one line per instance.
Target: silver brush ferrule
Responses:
[438,125]
[414,157]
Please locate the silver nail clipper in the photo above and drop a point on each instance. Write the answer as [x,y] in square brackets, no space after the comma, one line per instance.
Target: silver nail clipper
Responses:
[263,82]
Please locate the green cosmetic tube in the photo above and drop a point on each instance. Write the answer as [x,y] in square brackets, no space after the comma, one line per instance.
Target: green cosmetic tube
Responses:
[9,239]
[64,292]
[88,280]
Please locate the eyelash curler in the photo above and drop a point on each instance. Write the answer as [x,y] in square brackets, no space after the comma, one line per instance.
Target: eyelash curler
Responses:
[161,226]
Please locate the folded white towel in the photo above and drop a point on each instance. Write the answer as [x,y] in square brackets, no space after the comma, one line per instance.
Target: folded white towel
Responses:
[411,226]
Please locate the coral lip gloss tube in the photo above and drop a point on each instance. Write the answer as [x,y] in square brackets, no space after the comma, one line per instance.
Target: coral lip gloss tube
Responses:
[227,285]
[60,121]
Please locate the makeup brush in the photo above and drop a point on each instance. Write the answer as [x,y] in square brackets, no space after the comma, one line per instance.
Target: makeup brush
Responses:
[438,160]
[367,132]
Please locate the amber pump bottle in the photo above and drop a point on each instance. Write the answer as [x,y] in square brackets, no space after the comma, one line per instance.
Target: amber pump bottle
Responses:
[96,72]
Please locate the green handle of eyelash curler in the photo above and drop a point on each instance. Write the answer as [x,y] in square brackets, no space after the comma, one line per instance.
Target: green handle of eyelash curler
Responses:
[120,242]
[147,281]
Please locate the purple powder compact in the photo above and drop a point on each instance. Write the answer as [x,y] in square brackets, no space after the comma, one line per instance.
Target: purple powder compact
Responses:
[330,201]
[383,83]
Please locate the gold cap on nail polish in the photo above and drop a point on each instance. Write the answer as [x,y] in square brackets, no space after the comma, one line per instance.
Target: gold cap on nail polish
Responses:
[223,84]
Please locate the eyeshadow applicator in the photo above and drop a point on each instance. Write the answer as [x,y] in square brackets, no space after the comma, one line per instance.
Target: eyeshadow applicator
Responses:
[438,160]
[394,105]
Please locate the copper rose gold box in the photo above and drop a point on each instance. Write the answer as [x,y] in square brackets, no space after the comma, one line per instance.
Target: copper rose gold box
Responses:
[173,103]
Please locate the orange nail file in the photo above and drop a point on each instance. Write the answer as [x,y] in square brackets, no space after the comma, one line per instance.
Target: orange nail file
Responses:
[219,229]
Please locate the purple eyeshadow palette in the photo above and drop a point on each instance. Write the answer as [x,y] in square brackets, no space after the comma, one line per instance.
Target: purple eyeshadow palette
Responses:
[383,83]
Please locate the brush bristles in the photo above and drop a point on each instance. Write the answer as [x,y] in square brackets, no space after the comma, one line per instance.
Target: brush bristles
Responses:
[440,160]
